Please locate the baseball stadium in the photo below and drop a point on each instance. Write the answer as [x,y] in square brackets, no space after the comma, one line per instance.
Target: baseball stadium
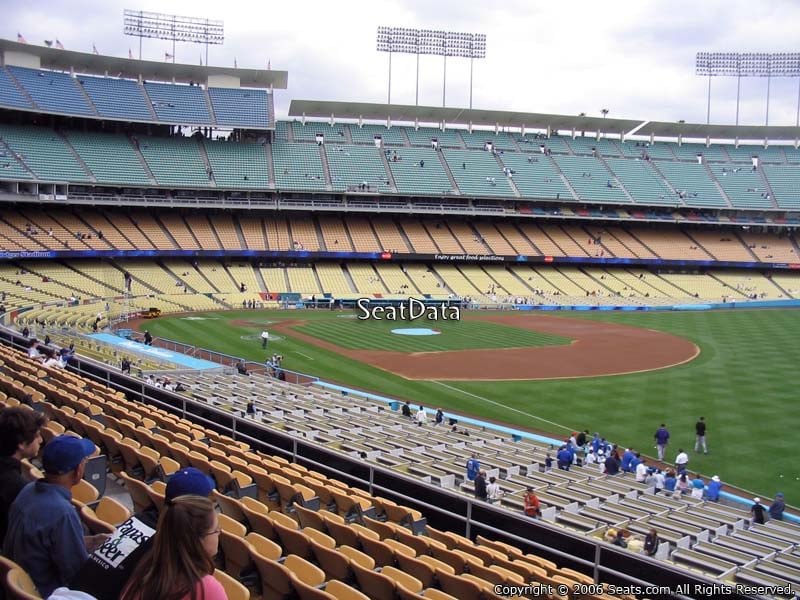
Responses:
[331,311]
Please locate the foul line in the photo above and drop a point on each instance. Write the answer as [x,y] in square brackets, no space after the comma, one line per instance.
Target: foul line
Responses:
[522,412]
[301,354]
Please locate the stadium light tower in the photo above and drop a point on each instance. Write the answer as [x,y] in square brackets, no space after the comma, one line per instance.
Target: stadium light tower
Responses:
[427,41]
[748,64]
[144,24]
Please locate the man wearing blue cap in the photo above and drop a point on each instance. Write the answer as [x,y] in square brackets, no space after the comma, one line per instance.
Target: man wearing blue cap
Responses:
[45,535]
[107,571]
[777,507]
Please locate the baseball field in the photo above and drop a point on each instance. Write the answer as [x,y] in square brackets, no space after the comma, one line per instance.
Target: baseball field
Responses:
[621,374]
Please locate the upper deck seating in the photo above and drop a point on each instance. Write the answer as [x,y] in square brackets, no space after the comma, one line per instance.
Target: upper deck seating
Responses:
[52,91]
[179,104]
[240,107]
[117,98]
[10,94]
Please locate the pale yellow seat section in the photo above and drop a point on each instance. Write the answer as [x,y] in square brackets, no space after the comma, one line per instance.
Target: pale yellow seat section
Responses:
[304,234]
[153,230]
[226,231]
[456,282]
[418,236]
[572,245]
[277,233]
[768,248]
[183,272]
[110,233]
[789,283]
[507,281]
[521,244]
[253,232]
[62,238]
[443,237]
[333,280]
[363,236]
[201,229]
[723,246]
[334,234]
[131,232]
[275,279]
[749,283]
[481,280]
[468,239]
[389,237]
[492,237]
[244,273]
[395,278]
[425,280]
[704,287]
[221,279]
[302,280]
[674,245]
[544,243]
[177,228]
[366,279]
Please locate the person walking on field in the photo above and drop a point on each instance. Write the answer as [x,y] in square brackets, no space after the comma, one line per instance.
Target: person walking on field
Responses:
[700,435]
[662,439]
[264,339]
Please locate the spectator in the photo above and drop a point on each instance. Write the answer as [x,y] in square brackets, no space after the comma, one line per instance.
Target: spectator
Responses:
[612,464]
[473,467]
[777,507]
[681,461]
[531,501]
[698,488]
[421,417]
[148,339]
[20,437]
[45,535]
[563,458]
[106,572]
[125,366]
[181,563]
[493,491]
[682,487]
[713,488]
[406,410]
[651,542]
[439,417]
[480,486]
[641,472]
[670,482]
[757,511]
[241,368]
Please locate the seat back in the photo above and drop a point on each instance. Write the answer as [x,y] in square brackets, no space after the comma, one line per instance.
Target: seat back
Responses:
[335,564]
[20,586]
[233,589]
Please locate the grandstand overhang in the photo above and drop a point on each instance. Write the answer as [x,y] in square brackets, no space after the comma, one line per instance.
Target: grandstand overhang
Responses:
[577,125]
[32,56]
[457,116]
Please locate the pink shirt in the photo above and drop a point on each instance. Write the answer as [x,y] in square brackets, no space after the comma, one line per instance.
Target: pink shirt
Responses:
[212,589]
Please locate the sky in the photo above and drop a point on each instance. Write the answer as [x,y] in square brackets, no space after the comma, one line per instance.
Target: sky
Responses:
[636,59]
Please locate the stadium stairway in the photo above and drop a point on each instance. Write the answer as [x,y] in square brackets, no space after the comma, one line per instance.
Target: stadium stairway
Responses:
[326,170]
[449,173]
[716,182]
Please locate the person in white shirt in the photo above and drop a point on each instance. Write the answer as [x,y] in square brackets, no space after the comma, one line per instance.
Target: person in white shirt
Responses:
[421,416]
[681,461]
[33,350]
[493,491]
[641,472]
[264,338]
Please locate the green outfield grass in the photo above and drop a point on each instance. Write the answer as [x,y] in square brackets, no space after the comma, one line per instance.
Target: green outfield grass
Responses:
[454,335]
[742,382]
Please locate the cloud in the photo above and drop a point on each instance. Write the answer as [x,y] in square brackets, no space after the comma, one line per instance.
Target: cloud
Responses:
[571,56]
